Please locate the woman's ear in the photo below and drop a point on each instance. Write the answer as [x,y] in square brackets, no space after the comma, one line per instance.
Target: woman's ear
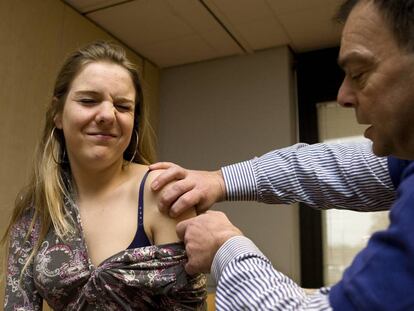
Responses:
[58,117]
[58,121]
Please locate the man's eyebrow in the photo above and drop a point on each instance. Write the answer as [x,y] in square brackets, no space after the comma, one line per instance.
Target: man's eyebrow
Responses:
[356,57]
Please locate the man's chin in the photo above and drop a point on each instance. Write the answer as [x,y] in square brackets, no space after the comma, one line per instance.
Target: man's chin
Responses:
[380,150]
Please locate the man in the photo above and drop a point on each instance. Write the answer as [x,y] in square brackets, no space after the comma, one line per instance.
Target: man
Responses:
[377,55]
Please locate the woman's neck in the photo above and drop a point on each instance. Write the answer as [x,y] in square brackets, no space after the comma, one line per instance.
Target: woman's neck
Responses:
[96,182]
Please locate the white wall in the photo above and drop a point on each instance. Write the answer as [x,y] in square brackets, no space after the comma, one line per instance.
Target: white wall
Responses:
[228,110]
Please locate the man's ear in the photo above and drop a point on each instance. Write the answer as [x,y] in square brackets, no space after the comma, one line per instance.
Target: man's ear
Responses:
[58,117]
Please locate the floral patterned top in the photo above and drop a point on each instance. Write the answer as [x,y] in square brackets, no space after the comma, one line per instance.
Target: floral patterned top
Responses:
[146,278]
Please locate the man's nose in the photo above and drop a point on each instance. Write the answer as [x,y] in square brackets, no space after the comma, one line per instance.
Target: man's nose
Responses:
[346,95]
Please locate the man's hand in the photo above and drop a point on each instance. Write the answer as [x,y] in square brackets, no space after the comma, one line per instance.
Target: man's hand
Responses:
[181,189]
[203,236]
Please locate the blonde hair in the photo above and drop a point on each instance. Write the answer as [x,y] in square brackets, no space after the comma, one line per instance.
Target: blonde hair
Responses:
[50,183]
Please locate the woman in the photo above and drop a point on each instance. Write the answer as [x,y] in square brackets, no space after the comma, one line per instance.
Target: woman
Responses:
[78,237]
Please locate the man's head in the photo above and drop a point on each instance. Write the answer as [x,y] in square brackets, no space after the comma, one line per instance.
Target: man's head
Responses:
[399,15]
[377,55]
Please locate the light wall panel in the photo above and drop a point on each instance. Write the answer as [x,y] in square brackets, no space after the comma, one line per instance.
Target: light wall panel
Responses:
[228,110]
[73,31]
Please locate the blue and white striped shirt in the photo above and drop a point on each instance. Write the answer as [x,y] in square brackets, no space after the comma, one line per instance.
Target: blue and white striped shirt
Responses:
[322,176]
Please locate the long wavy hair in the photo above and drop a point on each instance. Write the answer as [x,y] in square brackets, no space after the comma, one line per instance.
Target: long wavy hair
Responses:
[50,182]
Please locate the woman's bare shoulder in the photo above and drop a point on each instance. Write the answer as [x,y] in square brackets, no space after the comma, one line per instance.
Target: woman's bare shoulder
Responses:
[161,224]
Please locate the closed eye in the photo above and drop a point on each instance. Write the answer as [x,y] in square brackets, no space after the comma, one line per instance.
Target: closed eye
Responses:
[87,100]
[359,79]
[356,76]
[124,107]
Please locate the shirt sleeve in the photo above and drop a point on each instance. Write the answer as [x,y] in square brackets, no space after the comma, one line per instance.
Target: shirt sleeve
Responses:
[324,176]
[246,280]
[21,293]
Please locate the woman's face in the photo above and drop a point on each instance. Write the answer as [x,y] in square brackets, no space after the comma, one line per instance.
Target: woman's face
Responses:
[98,115]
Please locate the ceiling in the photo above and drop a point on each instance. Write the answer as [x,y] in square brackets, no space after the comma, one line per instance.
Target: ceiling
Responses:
[176,32]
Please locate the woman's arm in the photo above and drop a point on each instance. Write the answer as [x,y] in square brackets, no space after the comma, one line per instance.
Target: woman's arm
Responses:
[184,291]
[160,226]
[21,293]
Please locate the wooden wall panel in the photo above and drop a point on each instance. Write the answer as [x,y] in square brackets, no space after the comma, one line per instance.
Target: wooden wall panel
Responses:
[35,37]
[28,62]
[29,36]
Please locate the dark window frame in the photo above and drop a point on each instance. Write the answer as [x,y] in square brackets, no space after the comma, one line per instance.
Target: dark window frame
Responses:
[318,80]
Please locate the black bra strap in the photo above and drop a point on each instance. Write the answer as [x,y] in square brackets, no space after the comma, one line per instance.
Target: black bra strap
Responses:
[141,200]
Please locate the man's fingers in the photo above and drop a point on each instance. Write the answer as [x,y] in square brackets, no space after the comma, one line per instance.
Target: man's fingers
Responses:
[195,265]
[172,172]
[190,269]
[192,266]
[181,227]
[171,192]
[161,166]
[189,199]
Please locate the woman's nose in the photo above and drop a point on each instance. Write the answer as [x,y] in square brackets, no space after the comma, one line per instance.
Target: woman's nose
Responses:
[106,113]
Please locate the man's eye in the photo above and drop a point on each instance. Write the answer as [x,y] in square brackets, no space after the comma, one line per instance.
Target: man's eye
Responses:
[356,76]
[359,79]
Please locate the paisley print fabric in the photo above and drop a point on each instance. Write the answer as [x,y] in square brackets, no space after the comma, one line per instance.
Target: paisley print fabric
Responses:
[146,278]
